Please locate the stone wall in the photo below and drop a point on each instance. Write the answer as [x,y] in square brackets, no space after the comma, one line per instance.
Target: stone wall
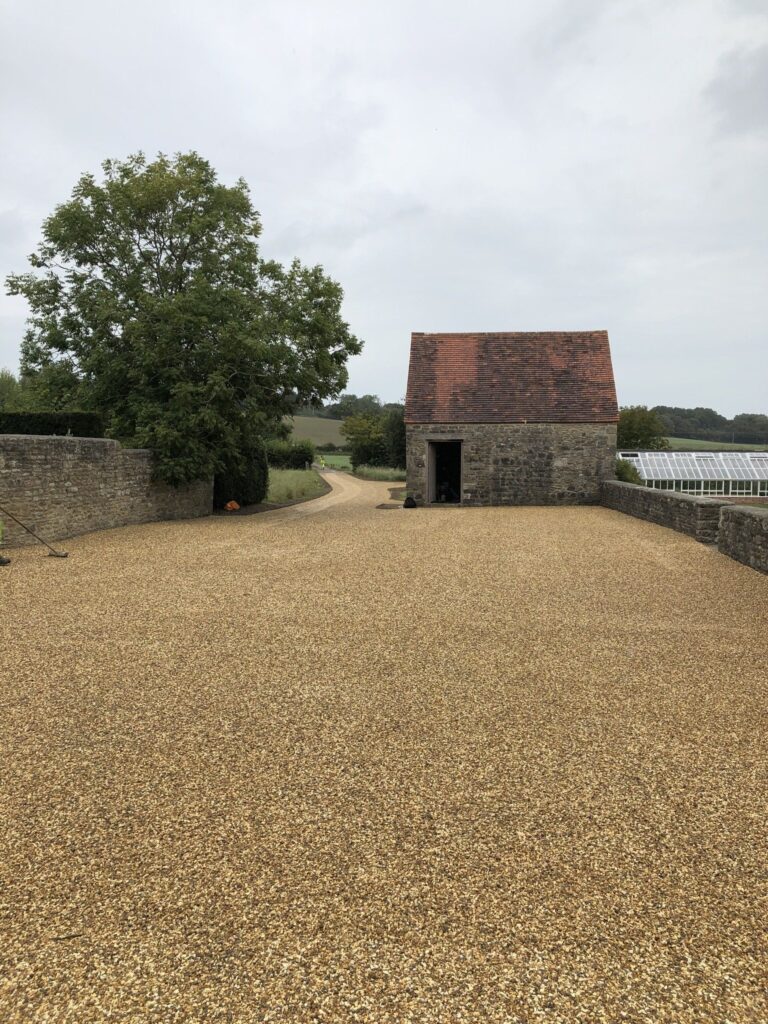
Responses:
[686,513]
[744,535]
[62,486]
[519,463]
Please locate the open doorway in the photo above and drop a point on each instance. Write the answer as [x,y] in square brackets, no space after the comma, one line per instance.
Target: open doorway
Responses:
[445,472]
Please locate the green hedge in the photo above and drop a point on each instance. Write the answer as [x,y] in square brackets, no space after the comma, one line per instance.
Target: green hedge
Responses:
[290,454]
[244,479]
[78,424]
[369,452]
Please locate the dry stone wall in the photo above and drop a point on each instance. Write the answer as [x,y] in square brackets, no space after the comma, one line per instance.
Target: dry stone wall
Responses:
[743,535]
[519,463]
[63,486]
[698,517]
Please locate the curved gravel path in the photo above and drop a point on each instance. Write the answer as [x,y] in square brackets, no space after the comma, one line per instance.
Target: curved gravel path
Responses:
[336,763]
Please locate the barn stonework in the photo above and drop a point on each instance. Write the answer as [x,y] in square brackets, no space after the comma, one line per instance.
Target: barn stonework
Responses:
[510,419]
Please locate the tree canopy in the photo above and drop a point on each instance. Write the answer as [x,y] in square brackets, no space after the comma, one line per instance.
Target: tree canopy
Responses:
[707,425]
[640,427]
[377,439]
[151,304]
[10,392]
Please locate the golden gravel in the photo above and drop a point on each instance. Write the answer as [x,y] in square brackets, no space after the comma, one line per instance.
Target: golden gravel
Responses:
[338,763]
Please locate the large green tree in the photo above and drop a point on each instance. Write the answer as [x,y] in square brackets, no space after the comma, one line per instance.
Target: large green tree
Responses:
[150,303]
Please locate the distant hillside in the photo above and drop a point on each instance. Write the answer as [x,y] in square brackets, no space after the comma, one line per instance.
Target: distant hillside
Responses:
[689,444]
[317,429]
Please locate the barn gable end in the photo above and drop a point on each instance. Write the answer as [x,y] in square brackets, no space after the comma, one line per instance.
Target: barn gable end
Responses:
[511,418]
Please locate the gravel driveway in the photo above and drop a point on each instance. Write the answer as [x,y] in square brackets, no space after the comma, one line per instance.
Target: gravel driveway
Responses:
[344,764]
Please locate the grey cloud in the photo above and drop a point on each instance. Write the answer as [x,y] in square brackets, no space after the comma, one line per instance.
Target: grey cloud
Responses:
[739,93]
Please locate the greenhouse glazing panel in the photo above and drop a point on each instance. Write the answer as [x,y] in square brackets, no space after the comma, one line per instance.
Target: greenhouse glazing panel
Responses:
[699,466]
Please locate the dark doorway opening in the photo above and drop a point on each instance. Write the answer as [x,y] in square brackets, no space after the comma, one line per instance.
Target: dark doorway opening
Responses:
[445,472]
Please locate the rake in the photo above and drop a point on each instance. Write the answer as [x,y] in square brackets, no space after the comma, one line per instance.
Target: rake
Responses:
[52,552]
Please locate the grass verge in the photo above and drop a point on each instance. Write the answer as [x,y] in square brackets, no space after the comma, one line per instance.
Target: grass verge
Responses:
[293,485]
[379,473]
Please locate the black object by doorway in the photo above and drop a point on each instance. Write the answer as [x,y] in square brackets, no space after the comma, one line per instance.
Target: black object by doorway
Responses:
[445,472]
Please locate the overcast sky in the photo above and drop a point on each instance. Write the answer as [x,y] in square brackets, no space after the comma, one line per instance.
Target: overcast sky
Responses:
[457,166]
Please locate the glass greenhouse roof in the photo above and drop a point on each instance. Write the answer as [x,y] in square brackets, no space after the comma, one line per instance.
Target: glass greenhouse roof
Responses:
[699,465]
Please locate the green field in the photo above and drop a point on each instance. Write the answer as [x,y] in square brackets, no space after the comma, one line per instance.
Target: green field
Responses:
[336,460]
[687,444]
[317,430]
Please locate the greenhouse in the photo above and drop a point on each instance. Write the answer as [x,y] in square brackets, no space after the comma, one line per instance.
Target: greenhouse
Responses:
[741,474]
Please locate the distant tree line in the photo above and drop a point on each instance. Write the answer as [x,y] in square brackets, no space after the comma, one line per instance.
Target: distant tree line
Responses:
[349,405]
[707,425]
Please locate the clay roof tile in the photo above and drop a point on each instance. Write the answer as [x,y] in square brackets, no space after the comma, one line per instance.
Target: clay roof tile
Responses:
[541,377]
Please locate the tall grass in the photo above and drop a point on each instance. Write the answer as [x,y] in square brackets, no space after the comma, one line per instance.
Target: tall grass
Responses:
[380,473]
[293,484]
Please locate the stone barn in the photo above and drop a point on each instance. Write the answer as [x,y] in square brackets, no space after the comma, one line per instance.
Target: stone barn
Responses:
[510,419]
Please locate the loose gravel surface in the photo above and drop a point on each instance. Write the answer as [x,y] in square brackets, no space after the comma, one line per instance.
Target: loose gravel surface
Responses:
[337,763]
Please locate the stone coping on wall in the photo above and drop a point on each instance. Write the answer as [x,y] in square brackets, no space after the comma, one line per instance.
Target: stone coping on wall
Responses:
[695,516]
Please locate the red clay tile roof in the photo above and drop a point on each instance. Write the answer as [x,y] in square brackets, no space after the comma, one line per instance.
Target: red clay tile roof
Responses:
[543,377]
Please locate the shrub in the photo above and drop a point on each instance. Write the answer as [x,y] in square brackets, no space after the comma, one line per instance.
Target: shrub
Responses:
[78,424]
[369,453]
[290,454]
[627,472]
[244,478]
